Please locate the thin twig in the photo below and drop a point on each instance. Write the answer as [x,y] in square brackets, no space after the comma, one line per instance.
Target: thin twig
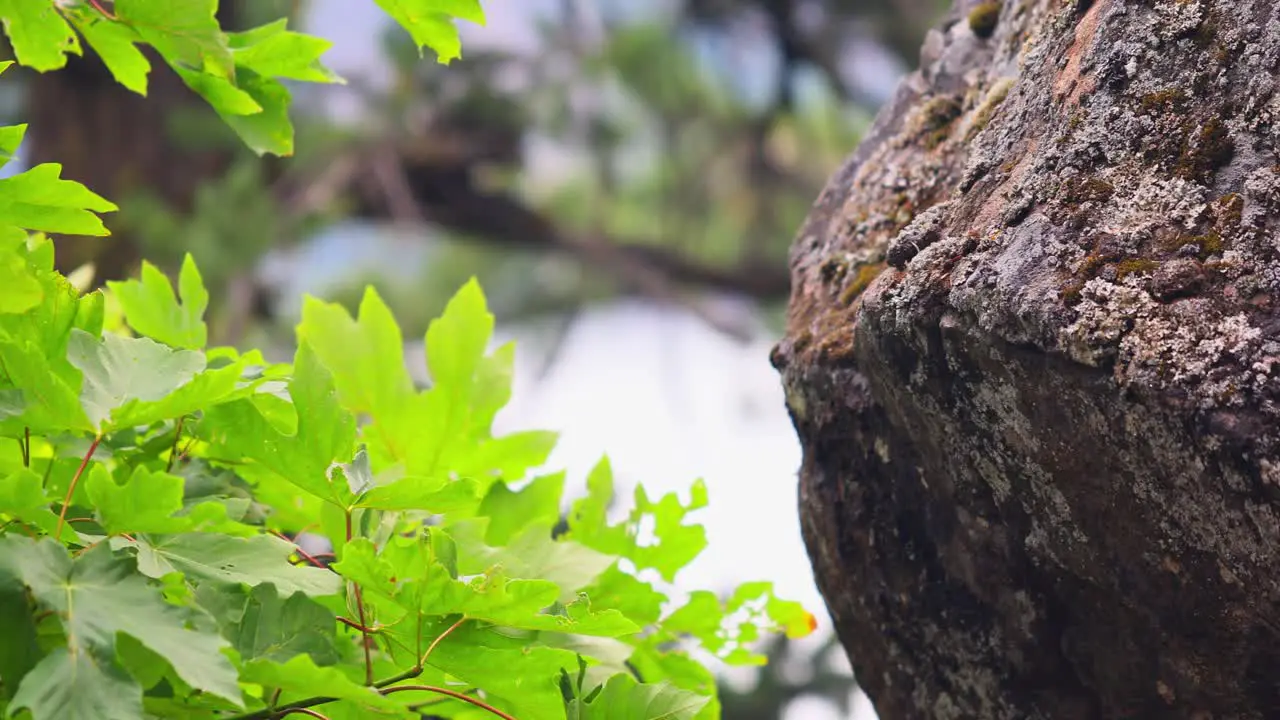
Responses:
[353,624]
[423,661]
[312,559]
[26,447]
[66,502]
[451,693]
[303,711]
[364,624]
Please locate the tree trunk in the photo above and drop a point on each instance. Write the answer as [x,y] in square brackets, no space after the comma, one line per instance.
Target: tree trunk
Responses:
[1032,360]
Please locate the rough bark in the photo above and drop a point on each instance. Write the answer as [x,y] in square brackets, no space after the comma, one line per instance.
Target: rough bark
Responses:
[1031,358]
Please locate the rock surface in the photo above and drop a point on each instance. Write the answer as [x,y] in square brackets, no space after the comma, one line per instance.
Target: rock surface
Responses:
[1032,359]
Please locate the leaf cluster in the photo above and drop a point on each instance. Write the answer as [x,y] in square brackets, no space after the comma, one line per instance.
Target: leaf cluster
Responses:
[242,75]
[155,492]
[153,488]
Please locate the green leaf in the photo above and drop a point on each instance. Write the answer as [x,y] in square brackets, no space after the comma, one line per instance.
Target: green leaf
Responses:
[266,127]
[628,594]
[91,312]
[456,342]
[442,426]
[430,22]
[52,403]
[222,94]
[120,369]
[276,629]
[151,308]
[325,432]
[674,545]
[531,554]
[507,458]
[19,652]
[12,403]
[116,44]
[10,138]
[78,686]
[300,676]
[511,511]
[38,33]
[365,356]
[22,291]
[409,573]
[622,698]
[232,560]
[185,32]
[525,676]
[39,199]
[753,607]
[205,391]
[146,503]
[144,666]
[273,51]
[433,495]
[22,496]
[98,595]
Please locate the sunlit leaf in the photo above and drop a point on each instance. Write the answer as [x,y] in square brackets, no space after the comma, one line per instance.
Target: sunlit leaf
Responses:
[116,44]
[39,199]
[40,37]
[430,22]
[152,309]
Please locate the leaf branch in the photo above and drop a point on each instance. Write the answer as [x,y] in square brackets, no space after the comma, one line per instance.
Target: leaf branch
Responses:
[364,624]
[304,711]
[453,694]
[71,488]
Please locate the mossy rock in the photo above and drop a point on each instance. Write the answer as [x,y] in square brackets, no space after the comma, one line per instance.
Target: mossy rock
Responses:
[984,18]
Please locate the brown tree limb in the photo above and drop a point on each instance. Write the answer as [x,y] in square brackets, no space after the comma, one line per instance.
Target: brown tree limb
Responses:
[445,195]
[385,186]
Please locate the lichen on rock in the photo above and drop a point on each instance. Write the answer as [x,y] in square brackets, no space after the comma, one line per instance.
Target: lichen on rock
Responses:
[1039,405]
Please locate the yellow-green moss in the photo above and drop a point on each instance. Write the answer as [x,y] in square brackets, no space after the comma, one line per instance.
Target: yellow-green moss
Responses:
[994,98]
[1210,244]
[833,269]
[939,112]
[1134,266]
[1210,149]
[1082,190]
[865,276]
[1071,291]
[1207,245]
[1162,101]
[904,213]
[984,18]
[934,120]
[803,339]
[1229,210]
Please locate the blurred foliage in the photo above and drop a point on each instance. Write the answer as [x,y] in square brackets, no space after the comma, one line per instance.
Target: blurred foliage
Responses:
[701,128]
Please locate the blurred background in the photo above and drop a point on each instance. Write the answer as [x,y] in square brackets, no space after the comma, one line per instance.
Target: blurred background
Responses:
[623,176]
